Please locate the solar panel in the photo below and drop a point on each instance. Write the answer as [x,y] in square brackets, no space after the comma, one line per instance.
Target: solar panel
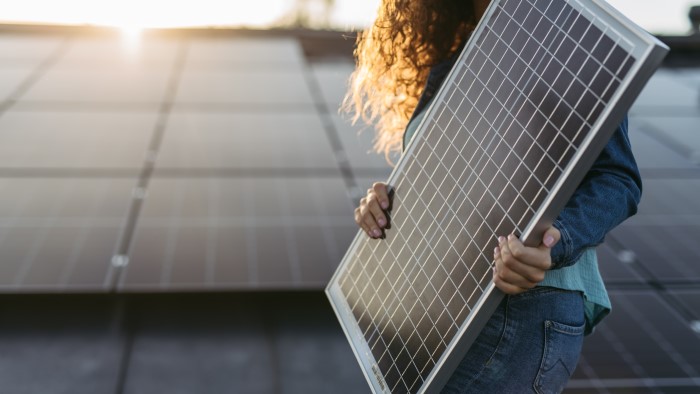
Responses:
[531,101]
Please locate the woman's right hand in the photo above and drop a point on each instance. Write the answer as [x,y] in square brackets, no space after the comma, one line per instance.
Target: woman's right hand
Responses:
[370,215]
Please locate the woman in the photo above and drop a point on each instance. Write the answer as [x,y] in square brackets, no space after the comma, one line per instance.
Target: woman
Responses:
[554,291]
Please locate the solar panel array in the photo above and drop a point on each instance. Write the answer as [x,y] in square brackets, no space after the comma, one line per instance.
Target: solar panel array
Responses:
[187,161]
[537,90]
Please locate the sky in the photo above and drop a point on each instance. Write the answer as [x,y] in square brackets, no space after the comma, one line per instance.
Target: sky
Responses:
[661,17]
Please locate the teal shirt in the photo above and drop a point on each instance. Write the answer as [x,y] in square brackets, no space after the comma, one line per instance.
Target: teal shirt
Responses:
[582,276]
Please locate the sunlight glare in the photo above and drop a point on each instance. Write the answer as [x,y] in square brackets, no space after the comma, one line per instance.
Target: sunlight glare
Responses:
[146,13]
[671,18]
[131,33]
[131,38]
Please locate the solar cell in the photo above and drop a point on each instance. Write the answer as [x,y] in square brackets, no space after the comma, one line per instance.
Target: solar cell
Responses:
[59,233]
[74,139]
[662,349]
[532,99]
[677,243]
[223,140]
[98,86]
[216,233]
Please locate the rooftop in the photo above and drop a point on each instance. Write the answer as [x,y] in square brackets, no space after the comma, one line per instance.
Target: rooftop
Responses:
[172,210]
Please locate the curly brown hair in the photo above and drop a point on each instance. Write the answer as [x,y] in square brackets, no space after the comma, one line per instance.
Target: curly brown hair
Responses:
[394,57]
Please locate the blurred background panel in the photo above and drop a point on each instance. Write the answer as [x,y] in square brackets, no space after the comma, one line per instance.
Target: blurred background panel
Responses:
[175,199]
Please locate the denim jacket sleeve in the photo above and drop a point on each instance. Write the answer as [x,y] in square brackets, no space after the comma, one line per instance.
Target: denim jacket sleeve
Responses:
[608,194]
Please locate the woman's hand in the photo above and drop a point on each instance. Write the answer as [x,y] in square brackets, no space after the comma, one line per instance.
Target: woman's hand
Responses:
[370,215]
[518,267]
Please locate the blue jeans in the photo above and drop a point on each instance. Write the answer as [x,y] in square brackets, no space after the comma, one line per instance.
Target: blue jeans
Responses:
[531,344]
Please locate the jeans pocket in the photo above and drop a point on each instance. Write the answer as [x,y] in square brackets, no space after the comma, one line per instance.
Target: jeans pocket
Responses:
[562,348]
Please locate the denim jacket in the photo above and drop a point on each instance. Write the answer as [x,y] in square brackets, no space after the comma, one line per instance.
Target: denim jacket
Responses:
[608,194]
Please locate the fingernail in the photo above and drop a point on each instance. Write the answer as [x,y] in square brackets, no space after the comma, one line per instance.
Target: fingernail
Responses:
[501,239]
[377,233]
[385,205]
[381,222]
[511,237]
[495,251]
[549,241]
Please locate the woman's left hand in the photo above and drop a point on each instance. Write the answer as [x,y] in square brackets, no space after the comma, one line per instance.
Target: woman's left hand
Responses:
[518,267]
